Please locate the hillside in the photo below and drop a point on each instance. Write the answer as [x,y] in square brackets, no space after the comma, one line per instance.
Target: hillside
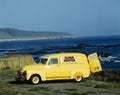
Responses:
[9,33]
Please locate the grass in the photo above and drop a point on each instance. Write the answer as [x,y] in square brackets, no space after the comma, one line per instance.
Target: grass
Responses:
[39,89]
[69,88]
[9,72]
[46,93]
[91,92]
[105,91]
[8,93]
[108,85]
[102,86]
[86,83]
[34,89]
[79,94]
[72,89]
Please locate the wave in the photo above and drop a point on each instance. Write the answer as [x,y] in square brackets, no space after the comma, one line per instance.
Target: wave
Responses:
[108,59]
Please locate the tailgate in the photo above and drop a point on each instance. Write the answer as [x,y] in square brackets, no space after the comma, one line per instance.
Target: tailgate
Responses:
[94,63]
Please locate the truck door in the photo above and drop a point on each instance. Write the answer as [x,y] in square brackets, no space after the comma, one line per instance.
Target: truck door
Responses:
[94,63]
[53,69]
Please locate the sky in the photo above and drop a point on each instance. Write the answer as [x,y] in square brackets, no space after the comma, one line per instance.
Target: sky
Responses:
[78,17]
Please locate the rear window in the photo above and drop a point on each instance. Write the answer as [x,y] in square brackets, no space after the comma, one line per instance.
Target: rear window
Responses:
[92,57]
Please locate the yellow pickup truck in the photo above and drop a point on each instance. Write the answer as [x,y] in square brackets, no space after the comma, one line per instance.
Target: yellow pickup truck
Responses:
[60,66]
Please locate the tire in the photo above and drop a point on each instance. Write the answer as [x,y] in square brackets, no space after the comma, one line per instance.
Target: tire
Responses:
[35,79]
[78,79]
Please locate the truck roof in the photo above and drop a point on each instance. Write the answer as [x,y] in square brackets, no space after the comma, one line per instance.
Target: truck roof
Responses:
[63,54]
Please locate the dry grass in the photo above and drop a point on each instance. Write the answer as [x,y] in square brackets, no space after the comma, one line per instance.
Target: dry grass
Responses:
[15,60]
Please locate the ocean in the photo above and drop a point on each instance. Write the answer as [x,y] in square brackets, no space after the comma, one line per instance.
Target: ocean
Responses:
[107,47]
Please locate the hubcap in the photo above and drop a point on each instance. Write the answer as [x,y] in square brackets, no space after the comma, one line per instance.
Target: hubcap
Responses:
[35,80]
[78,78]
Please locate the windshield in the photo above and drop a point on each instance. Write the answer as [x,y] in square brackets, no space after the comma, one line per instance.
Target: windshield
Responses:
[43,60]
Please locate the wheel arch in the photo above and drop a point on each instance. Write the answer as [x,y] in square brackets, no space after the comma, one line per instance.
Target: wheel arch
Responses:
[36,75]
[40,74]
[79,72]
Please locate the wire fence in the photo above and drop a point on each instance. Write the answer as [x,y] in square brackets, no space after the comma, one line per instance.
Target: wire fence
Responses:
[15,61]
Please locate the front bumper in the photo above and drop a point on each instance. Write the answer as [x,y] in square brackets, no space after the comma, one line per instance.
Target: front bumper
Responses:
[20,77]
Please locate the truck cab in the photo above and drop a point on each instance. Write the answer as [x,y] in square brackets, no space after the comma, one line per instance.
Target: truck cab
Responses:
[61,66]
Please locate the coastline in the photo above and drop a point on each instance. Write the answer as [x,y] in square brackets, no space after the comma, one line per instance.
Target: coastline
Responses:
[37,38]
[107,48]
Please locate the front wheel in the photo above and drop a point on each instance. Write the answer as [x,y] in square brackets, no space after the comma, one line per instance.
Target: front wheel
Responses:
[35,79]
[78,79]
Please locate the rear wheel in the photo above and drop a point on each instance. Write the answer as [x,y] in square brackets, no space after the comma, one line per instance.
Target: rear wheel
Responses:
[35,79]
[78,79]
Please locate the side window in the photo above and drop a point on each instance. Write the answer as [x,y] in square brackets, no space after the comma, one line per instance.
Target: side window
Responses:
[53,61]
[69,60]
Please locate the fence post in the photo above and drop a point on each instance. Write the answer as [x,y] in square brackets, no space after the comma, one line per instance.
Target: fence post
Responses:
[20,63]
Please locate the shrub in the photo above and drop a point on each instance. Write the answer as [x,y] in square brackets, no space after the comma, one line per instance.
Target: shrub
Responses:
[109,75]
[102,86]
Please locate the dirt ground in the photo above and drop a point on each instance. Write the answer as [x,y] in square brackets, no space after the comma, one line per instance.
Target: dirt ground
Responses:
[8,86]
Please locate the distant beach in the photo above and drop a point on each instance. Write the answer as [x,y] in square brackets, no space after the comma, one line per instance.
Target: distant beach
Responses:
[37,38]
